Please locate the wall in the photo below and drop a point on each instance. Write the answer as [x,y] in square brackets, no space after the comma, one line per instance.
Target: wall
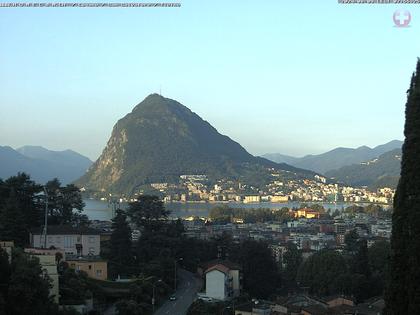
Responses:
[215,284]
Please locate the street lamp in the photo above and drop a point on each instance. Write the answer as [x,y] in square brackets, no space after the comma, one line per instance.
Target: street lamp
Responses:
[153,297]
[175,265]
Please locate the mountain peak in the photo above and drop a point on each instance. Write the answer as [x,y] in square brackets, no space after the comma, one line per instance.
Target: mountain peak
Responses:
[162,139]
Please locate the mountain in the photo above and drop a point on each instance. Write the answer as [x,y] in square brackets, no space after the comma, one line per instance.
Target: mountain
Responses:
[280,158]
[336,158]
[383,171]
[42,164]
[162,139]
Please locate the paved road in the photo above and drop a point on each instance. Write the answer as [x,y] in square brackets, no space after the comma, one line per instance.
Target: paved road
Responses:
[186,292]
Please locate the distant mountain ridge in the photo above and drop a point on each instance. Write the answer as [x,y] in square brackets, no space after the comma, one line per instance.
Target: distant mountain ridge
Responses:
[383,171]
[162,139]
[42,164]
[335,158]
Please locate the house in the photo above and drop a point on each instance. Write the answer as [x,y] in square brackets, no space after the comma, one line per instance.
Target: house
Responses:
[95,267]
[252,199]
[80,241]
[48,260]
[307,213]
[222,280]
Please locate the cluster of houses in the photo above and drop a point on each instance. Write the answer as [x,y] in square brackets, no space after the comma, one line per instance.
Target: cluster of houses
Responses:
[78,247]
[223,282]
[301,304]
[308,231]
[194,188]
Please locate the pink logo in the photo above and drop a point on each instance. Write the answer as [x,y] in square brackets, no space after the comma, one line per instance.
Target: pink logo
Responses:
[402,18]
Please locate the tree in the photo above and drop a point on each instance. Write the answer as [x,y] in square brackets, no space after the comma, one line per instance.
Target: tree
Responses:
[74,287]
[4,279]
[379,259]
[147,212]
[28,289]
[120,251]
[20,208]
[351,240]
[403,294]
[260,273]
[360,263]
[62,200]
[129,307]
[323,272]
[292,259]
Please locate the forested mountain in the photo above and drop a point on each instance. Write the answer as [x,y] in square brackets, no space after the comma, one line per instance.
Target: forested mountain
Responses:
[335,158]
[162,139]
[383,171]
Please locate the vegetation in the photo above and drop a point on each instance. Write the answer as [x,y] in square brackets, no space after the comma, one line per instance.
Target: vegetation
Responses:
[361,273]
[23,288]
[384,172]
[161,140]
[22,207]
[225,214]
[120,248]
[292,259]
[403,295]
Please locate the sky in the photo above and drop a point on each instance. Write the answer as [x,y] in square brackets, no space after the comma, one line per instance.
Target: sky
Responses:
[294,77]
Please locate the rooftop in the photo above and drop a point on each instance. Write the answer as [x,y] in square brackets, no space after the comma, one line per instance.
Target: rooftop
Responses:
[65,230]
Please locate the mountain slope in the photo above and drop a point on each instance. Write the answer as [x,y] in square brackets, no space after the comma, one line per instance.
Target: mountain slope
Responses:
[42,164]
[336,158]
[162,139]
[379,172]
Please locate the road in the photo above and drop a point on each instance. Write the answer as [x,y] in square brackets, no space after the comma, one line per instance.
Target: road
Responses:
[186,292]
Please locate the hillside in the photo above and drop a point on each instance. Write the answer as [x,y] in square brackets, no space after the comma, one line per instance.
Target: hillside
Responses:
[162,139]
[42,164]
[335,158]
[383,171]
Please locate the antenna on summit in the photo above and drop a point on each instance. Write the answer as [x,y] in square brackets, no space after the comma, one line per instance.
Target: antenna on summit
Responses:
[160,90]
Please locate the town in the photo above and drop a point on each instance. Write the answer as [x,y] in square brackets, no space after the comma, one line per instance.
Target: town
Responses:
[107,257]
[198,188]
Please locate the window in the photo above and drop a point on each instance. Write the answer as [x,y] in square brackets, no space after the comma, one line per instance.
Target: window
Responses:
[98,272]
[90,267]
[68,241]
[91,239]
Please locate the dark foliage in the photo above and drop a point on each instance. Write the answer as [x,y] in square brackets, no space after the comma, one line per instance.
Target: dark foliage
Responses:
[403,295]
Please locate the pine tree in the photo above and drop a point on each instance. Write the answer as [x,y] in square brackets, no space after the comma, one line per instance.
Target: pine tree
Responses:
[403,294]
[120,253]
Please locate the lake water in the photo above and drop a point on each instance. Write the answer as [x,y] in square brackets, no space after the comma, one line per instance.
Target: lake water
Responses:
[102,210]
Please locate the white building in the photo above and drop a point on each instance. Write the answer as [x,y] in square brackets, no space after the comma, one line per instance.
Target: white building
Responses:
[76,241]
[222,281]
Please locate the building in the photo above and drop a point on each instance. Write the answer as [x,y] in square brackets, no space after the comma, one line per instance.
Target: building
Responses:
[48,260]
[7,246]
[252,199]
[307,213]
[222,281]
[279,199]
[74,241]
[95,267]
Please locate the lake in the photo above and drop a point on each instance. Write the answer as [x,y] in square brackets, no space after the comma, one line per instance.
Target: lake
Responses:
[102,210]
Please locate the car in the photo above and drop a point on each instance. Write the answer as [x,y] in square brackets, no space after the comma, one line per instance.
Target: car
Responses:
[172,298]
[205,298]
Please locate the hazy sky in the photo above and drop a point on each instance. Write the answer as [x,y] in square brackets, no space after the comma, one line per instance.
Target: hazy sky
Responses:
[294,77]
